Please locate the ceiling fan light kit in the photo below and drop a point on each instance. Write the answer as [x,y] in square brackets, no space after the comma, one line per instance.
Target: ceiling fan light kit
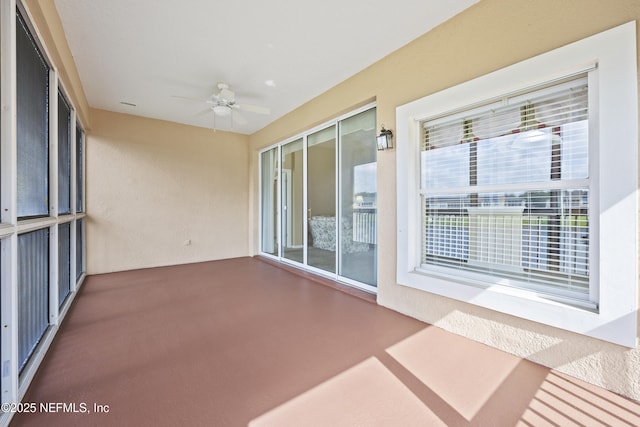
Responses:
[221,110]
[223,103]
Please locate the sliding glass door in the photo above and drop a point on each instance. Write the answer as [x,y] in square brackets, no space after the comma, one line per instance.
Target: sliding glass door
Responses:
[292,201]
[358,209]
[321,199]
[269,201]
[318,200]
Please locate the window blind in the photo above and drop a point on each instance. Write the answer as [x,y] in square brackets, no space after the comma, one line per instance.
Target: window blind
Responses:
[80,246]
[32,75]
[505,191]
[79,169]
[64,262]
[33,291]
[64,155]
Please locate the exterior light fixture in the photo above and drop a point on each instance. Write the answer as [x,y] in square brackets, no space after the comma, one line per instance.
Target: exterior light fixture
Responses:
[385,139]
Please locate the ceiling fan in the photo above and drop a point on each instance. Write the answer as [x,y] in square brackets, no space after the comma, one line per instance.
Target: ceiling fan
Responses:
[223,103]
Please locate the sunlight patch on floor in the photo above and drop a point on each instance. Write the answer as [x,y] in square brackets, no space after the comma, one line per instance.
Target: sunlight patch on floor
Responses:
[562,400]
[464,373]
[366,394]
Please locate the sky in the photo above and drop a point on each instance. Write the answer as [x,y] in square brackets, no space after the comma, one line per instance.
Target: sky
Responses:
[364,178]
[517,158]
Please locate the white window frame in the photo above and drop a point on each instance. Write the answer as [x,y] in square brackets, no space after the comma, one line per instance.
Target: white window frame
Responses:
[614,185]
[15,383]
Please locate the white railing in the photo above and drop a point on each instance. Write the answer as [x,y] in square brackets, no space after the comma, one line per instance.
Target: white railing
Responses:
[495,236]
[447,236]
[510,239]
[364,226]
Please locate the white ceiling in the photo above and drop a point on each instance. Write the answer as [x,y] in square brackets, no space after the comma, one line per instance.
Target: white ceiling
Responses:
[147,52]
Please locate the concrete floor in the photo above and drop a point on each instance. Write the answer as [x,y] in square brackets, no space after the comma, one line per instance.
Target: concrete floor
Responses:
[243,342]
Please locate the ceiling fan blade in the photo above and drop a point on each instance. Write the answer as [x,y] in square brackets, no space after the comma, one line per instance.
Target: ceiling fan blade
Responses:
[186,98]
[238,118]
[203,112]
[254,109]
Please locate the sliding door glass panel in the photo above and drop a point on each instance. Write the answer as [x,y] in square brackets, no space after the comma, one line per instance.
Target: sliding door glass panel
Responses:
[358,194]
[291,197]
[32,75]
[33,291]
[321,199]
[269,201]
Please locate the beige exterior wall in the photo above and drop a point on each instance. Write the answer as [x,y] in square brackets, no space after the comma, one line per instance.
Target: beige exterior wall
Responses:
[489,36]
[161,193]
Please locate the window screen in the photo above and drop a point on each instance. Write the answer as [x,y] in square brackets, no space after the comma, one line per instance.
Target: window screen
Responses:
[79,169]
[64,155]
[505,190]
[32,125]
[64,261]
[33,291]
[79,248]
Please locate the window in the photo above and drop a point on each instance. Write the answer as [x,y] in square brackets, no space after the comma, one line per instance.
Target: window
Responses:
[517,190]
[33,291]
[505,191]
[64,262]
[64,155]
[80,269]
[32,77]
[79,169]
[43,236]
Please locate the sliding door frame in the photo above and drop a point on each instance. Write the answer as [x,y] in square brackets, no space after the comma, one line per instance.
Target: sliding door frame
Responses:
[336,122]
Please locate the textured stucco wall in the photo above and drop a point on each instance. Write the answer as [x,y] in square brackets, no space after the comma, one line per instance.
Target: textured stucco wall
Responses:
[489,36]
[161,193]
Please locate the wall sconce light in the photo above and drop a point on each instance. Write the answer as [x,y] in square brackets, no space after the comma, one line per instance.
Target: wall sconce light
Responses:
[385,139]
